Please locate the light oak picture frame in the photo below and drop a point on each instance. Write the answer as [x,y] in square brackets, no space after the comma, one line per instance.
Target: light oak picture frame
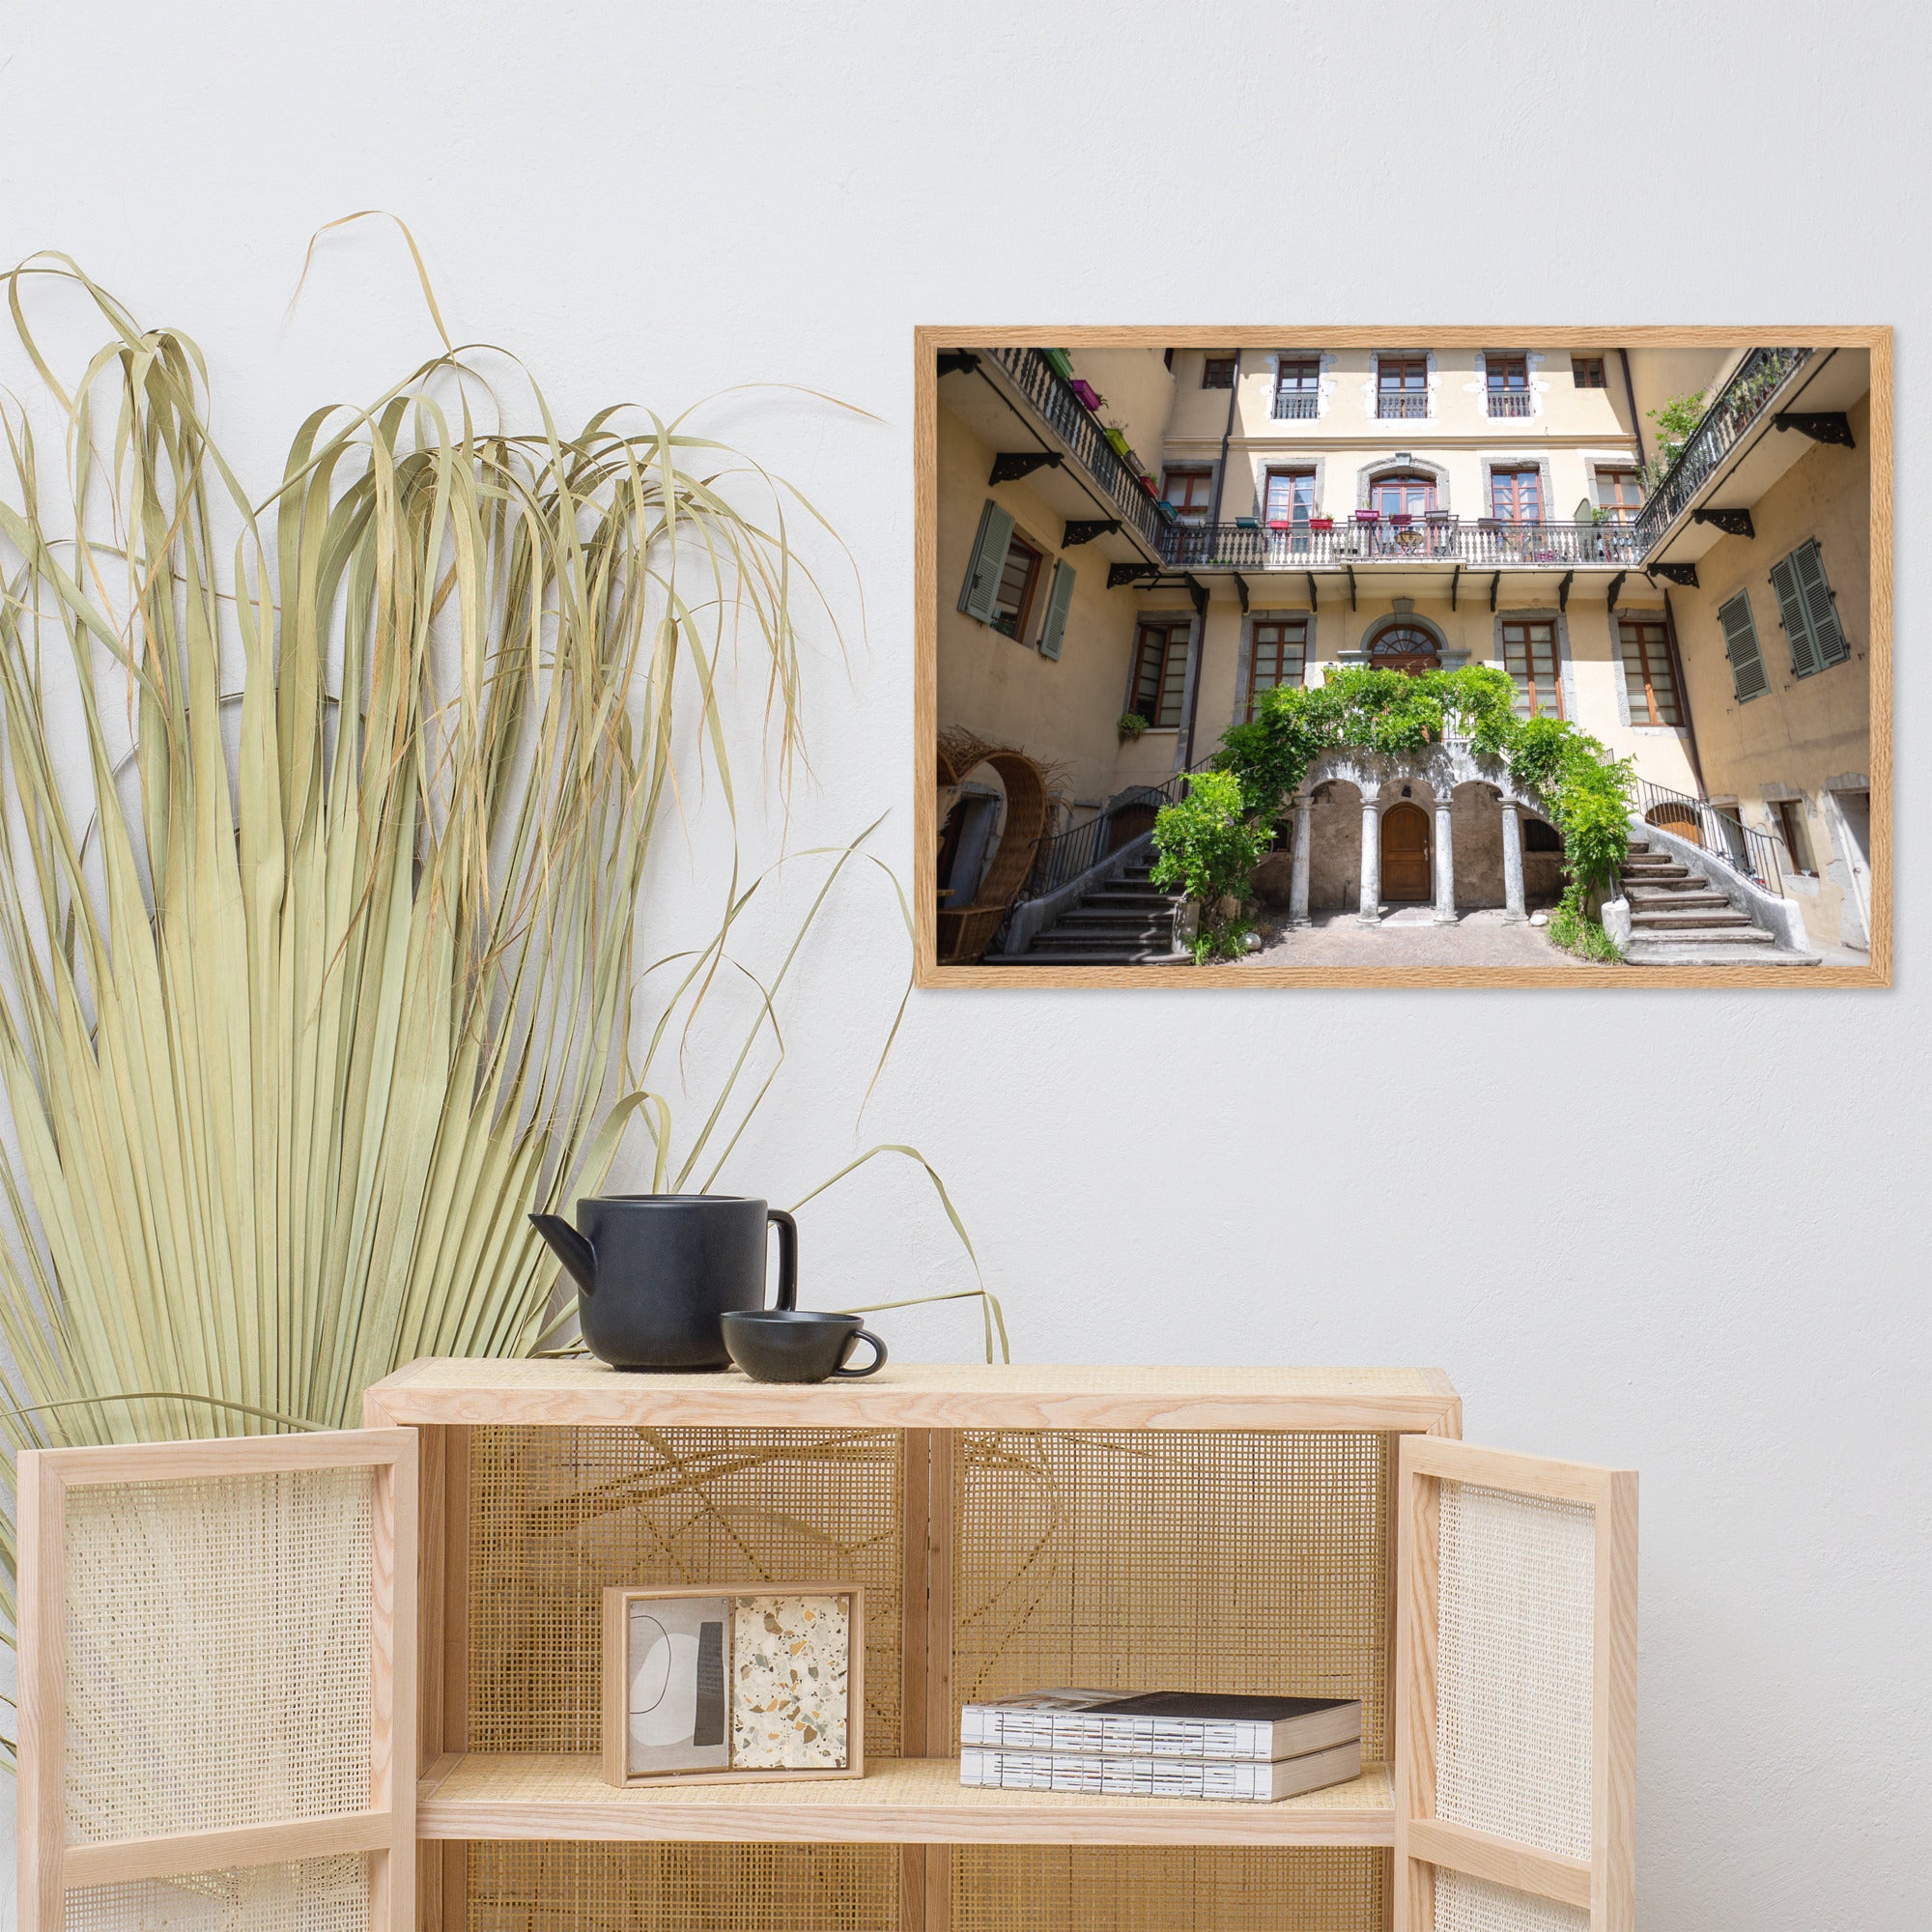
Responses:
[930,339]
[615,1724]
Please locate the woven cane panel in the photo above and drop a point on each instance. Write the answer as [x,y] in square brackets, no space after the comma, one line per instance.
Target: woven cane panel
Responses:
[557,1514]
[1110,1889]
[1249,1562]
[1464,1904]
[217,1652]
[1514,1666]
[314,1896]
[537,1887]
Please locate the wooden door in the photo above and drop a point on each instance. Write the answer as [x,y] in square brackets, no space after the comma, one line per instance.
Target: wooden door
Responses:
[217,1647]
[1406,873]
[1516,1692]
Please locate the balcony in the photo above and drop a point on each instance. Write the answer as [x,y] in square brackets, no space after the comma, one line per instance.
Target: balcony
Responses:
[1761,376]
[1511,403]
[1037,384]
[1397,408]
[1295,406]
[1481,544]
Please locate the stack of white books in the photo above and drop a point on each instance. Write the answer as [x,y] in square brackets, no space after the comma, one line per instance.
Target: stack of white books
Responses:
[1162,1744]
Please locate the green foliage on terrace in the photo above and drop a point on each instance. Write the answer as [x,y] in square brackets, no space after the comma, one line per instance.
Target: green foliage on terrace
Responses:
[1210,846]
[1585,792]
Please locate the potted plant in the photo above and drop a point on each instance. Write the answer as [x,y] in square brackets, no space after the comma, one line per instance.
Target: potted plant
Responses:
[1321,523]
[1131,726]
[1086,392]
[1060,362]
[1116,438]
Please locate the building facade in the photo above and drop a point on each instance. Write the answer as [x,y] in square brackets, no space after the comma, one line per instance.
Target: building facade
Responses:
[1135,544]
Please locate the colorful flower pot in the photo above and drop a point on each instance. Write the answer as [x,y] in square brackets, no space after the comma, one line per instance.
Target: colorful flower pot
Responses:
[1059,362]
[1117,440]
[1086,392]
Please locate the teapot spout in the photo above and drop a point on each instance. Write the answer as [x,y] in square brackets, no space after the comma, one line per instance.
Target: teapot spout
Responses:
[570,1248]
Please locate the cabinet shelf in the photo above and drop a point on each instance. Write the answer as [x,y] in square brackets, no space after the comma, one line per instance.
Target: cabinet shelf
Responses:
[898,1802]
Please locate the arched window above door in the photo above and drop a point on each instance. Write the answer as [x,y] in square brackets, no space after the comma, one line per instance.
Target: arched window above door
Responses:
[1401,645]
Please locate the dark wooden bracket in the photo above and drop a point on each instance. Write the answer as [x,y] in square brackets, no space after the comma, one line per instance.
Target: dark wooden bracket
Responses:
[1563,590]
[1455,578]
[1350,569]
[1242,590]
[1821,426]
[1733,523]
[1119,574]
[1197,592]
[1685,574]
[1493,582]
[1010,464]
[1083,530]
[1616,584]
[1314,602]
[957,362]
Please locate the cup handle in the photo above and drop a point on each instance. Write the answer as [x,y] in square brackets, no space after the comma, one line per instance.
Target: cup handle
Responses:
[787,1257]
[872,1367]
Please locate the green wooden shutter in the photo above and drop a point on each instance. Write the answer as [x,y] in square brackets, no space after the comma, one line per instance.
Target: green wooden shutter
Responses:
[980,597]
[1055,628]
[1792,614]
[1827,639]
[1747,676]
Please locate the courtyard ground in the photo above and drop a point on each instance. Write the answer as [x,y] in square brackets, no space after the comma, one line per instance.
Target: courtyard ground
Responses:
[1408,936]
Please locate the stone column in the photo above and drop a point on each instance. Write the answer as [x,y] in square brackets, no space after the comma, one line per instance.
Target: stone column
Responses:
[1513,907]
[1371,913]
[1445,867]
[1304,832]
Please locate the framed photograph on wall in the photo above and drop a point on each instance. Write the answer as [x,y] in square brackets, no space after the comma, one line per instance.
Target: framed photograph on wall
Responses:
[754,1685]
[1476,655]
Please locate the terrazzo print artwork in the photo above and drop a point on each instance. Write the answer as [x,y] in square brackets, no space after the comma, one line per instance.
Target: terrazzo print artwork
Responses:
[790,1657]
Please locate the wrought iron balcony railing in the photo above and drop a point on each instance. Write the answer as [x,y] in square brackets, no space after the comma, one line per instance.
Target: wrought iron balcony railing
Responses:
[1483,544]
[1079,429]
[1510,403]
[1402,408]
[1743,399]
[1295,405]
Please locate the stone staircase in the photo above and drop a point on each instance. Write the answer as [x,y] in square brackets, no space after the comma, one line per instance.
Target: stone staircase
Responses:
[1678,918]
[1127,922]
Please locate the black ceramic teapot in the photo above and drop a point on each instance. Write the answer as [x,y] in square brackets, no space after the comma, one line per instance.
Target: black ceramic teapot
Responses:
[655,1273]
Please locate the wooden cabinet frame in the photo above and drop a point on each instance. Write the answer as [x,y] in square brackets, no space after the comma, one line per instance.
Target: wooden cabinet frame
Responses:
[419,1443]
[51,1866]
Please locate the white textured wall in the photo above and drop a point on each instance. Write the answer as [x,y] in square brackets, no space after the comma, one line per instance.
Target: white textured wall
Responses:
[1688,1233]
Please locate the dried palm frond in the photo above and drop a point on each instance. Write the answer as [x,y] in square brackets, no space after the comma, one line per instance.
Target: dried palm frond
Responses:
[317,973]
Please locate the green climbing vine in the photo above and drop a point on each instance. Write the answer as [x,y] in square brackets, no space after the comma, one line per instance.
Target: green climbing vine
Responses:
[1585,791]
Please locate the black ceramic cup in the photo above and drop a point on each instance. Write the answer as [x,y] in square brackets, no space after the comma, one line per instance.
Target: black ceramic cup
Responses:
[792,1345]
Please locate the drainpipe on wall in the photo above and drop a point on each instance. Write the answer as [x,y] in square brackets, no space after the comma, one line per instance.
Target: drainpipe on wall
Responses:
[1630,390]
[1682,693]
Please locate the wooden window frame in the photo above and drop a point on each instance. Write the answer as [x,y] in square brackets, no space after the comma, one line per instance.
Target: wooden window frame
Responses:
[1517,471]
[1022,617]
[1405,480]
[1288,472]
[1789,813]
[385,1831]
[1210,365]
[1172,633]
[1529,663]
[1581,365]
[1648,690]
[1620,511]
[1254,691]
[1506,366]
[1201,473]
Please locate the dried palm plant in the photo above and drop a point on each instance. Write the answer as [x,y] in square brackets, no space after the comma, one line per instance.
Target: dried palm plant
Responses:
[318,972]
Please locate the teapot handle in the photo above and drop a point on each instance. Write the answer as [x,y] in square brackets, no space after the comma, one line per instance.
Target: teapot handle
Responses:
[787,1257]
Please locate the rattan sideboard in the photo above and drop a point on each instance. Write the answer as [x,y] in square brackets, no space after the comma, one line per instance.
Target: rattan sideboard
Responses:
[1320,1530]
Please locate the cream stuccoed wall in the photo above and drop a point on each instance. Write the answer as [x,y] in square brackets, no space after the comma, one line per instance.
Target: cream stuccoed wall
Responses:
[1065,710]
[1591,656]
[1808,736]
[1139,395]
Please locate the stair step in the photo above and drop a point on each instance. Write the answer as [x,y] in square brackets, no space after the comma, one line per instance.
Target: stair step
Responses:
[1079,941]
[1122,901]
[1674,954]
[1662,917]
[1062,955]
[1695,893]
[1690,934]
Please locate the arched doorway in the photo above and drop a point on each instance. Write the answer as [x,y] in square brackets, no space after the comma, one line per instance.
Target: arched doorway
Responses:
[1405,854]
[1403,647]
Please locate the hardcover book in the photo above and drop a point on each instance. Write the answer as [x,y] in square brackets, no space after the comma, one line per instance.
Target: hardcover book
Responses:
[1234,1781]
[1162,1723]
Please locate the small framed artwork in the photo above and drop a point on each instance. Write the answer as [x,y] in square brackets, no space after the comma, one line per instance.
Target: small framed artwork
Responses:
[751,1685]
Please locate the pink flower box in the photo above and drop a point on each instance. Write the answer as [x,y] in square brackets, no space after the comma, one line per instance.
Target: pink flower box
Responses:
[1085,391]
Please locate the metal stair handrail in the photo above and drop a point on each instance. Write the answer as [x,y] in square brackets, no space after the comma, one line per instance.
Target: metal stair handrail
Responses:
[1751,854]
